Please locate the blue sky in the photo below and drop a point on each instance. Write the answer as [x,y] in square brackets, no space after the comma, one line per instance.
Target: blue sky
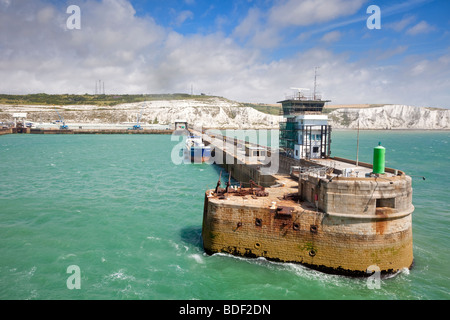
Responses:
[349,32]
[245,50]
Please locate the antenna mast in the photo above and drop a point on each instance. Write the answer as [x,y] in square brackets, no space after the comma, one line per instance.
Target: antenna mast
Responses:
[357,145]
[315,81]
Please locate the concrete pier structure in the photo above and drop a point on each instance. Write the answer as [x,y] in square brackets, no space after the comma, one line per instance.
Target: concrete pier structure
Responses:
[331,214]
[342,225]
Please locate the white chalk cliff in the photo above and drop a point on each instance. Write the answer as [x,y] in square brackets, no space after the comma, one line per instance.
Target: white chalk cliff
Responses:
[205,112]
[215,112]
[391,117]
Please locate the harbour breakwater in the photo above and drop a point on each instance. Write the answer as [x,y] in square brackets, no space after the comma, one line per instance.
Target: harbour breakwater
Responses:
[320,216]
[100,131]
[82,131]
[5,131]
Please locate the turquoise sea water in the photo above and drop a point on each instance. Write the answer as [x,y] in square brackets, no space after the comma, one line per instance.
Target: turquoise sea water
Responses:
[119,209]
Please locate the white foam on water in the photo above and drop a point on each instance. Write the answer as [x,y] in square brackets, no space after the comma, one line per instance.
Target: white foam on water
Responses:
[298,269]
[404,271]
[32,271]
[120,275]
[174,244]
[177,268]
[197,257]
[66,256]
[154,238]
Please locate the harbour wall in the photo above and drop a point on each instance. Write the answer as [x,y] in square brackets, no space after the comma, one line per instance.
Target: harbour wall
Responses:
[82,131]
[341,225]
[5,131]
[332,244]
[228,153]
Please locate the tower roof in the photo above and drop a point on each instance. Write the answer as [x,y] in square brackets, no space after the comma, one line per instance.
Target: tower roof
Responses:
[292,107]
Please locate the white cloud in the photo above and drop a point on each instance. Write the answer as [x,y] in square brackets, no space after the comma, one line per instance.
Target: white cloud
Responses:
[133,54]
[421,28]
[265,30]
[183,16]
[309,12]
[45,15]
[249,25]
[5,3]
[388,53]
[402,24]
[332,36]
[254,31]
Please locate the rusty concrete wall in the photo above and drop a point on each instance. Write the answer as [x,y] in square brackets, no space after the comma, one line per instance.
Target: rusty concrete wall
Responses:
[285,164]
[343,245]
[240,171]
[5,131]
[244,173]
[359,196]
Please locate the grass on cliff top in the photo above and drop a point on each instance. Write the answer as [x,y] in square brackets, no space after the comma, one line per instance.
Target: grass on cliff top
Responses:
[89,99]
[115,99]
[265,108]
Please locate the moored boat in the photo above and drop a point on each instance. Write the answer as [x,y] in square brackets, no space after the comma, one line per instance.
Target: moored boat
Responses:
[197,150]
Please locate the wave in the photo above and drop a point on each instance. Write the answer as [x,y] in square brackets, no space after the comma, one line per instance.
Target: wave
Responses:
[120,275]
[197,257]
